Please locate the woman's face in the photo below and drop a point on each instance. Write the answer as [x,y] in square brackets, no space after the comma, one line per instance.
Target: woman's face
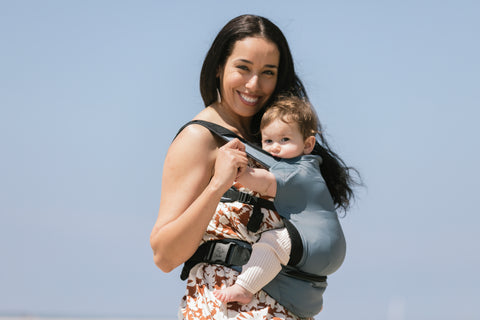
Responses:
[249,76]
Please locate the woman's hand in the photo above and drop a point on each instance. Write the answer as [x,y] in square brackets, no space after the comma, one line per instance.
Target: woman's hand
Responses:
[230,163]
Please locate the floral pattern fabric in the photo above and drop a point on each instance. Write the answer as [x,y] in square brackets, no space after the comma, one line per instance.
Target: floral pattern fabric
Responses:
[199,303]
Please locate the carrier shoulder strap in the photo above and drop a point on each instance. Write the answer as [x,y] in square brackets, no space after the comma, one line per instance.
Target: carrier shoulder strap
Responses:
[253,151]
[233,194]
[267,160]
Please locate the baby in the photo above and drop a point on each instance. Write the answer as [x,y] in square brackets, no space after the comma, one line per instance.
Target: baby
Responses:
[288,130]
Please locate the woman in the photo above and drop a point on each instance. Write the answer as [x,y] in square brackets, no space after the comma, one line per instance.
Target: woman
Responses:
[248,64]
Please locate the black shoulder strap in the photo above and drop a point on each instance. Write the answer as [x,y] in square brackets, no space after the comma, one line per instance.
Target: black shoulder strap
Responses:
[256,153]
[266,160]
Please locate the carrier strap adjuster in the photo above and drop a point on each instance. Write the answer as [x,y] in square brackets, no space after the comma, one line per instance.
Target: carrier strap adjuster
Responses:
[246,198]
[219,253]
[232,195]
[227,252]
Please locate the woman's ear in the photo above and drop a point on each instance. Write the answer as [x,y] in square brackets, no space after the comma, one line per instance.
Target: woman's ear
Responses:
[219,72]
[219,77]
[309,145]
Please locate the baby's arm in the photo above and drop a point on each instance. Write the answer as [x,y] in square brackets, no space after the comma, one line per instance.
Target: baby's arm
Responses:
[259,180]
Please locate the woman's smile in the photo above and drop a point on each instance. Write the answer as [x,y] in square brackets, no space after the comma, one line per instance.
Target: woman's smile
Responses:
[248,99]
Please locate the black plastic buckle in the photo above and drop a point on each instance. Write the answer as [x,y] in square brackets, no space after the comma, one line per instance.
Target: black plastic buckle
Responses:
[219,253]
[246,198]
[239,255]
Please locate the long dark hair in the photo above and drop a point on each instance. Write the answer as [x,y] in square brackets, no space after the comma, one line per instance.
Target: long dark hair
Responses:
[336,174]
[340,178]
[237,29]
[334,171]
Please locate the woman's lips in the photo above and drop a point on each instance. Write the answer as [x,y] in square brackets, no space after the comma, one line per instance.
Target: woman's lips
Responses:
[248,99]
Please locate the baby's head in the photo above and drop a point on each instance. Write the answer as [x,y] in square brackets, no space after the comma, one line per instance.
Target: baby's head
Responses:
[288,128]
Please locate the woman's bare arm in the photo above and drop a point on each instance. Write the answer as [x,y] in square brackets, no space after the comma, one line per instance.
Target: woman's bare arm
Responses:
[196,174]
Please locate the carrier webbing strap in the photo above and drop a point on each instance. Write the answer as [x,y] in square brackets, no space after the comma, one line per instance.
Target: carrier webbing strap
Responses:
[256,218]
[254,152]
[296,251]
[295,273]
[235,253]
[227,252]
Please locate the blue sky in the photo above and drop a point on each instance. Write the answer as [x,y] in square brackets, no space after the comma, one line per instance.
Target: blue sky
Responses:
[92,92]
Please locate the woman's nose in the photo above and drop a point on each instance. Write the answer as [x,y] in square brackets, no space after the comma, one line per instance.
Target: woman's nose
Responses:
[252,83]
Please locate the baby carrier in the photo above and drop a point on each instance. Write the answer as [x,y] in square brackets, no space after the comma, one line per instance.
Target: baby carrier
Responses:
[314,254]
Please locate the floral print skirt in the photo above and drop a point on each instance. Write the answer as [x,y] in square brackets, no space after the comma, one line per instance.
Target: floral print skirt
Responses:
[199,303]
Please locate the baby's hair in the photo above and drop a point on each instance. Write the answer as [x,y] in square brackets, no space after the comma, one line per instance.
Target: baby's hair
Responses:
[337,175]
[292,109]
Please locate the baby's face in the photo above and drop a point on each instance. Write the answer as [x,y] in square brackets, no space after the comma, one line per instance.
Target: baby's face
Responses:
[282,139]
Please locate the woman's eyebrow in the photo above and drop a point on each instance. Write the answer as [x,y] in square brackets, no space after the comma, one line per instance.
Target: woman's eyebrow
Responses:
[267,65]
[271,66]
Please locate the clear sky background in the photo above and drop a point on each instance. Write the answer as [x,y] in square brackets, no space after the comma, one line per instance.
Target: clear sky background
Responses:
[92,93]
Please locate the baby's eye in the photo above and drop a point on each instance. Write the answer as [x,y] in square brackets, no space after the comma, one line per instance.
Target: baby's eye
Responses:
[267,141]
[286,139]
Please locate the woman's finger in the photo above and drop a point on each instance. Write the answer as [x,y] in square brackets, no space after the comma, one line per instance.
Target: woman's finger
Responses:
[231,160]
[235,144]
[241,170]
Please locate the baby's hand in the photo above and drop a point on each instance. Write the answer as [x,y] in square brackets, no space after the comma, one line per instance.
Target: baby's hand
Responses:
[244,170]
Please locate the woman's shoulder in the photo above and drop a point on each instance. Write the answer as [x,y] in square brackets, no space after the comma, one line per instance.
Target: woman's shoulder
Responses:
[194,149]
[194,137]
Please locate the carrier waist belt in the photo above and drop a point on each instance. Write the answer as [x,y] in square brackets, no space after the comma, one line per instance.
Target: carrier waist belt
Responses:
[227,252]
[232,253]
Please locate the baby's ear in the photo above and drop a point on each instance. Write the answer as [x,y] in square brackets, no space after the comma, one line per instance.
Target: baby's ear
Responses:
[309,145]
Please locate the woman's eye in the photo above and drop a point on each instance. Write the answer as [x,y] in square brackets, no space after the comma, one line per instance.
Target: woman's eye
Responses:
[269,72]
[241,67]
